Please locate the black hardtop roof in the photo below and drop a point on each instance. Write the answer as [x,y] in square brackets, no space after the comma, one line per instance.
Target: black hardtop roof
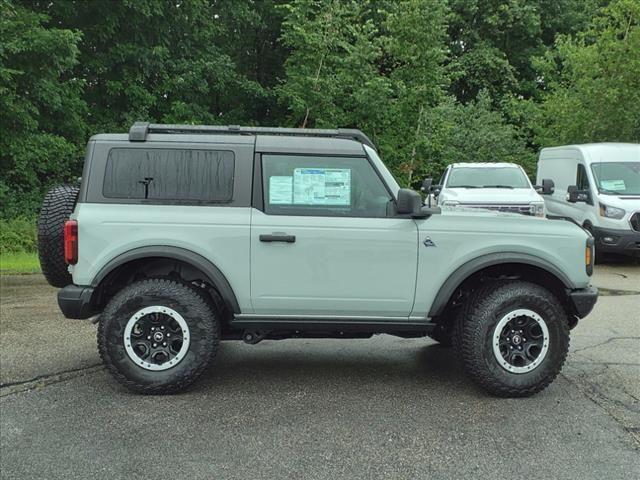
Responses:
[139,131]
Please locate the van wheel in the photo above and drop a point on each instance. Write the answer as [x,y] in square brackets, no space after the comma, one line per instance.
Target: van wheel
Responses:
[158,335]
[512,338]
[57,205]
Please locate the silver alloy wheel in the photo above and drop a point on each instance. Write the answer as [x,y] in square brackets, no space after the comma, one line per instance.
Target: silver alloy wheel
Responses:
[512,349]
[148,338]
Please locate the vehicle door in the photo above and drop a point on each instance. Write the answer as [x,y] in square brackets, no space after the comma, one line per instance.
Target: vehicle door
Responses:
[325,240]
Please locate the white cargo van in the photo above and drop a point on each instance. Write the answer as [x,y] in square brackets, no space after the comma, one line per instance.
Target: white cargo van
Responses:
[598,186]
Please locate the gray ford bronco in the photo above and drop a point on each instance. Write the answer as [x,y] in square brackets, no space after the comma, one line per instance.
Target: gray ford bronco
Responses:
[180,236]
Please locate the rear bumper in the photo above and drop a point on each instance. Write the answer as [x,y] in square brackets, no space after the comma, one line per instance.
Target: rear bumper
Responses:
[617,241]
[583,300]
[75,301]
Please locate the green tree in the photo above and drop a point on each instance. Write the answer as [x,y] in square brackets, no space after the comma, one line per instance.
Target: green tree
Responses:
[375,66]
[592,82]
[470,133]
[415,52]
[492,42]
[331,78]
[41,112]
[162,61]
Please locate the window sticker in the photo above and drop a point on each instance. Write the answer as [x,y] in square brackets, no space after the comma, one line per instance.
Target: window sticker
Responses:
[322,186]
[280,190]
[614,185]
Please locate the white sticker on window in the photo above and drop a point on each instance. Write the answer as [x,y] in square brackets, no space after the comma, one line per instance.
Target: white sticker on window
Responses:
[280,190]
[614,185]
[322,186]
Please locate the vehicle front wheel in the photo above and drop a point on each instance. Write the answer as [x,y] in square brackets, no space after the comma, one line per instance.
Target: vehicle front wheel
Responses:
[512,338]
[158,335]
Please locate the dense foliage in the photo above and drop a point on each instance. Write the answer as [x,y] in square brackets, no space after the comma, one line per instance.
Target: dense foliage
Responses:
[18,235]
[431,81]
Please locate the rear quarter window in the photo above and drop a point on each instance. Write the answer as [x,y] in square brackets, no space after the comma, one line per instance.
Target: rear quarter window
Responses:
[170,175]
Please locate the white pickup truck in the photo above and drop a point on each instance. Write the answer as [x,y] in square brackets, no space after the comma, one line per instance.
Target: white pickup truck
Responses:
[493,186]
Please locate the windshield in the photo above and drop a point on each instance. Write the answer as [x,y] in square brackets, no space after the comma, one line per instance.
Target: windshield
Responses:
[617,178]
[483,177]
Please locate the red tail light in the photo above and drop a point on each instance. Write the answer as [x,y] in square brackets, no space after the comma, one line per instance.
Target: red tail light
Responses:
[71,242]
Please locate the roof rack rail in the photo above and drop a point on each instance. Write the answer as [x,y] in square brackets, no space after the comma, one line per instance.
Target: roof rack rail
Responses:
[139,131]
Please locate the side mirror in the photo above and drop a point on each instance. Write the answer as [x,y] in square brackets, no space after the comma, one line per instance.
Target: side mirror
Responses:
[432,191]
[574,195]
[409,201]
[548,187]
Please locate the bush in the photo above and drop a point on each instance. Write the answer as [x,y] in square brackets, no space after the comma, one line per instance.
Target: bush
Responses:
[18,235]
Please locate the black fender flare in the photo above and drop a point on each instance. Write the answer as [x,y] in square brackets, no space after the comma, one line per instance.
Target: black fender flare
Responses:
[479,263]
[213,273]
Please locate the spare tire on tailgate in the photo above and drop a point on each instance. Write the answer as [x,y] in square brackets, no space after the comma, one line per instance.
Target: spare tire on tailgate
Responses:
[58,204]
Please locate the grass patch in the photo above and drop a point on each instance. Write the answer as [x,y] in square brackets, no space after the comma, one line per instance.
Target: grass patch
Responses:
[19,262]
[18,235]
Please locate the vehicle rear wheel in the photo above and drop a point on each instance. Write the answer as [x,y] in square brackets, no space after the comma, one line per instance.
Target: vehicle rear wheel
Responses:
[512,338]
[158,335]
[57,205]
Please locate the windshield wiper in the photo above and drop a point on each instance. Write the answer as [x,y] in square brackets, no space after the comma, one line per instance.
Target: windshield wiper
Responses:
[463,186]
[497,186]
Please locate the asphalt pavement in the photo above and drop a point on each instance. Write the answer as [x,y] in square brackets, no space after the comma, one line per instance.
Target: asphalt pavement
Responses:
[379,408]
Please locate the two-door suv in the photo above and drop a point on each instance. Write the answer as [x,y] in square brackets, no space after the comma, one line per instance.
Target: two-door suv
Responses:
[180,236]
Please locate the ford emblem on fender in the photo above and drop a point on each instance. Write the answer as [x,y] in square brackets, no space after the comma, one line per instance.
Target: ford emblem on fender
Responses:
[428,242]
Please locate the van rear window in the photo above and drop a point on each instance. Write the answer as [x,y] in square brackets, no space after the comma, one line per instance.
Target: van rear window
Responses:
[170,175]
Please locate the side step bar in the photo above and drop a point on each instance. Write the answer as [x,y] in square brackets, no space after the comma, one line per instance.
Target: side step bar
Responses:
[314,323]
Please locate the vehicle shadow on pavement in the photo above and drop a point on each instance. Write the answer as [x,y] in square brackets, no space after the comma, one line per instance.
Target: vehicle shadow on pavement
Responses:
[342,364]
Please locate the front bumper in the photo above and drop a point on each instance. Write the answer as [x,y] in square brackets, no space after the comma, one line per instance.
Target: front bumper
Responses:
[75,301]
[617,241]
[583,300]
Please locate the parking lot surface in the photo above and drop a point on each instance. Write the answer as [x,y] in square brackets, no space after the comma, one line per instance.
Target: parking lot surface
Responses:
[379,408]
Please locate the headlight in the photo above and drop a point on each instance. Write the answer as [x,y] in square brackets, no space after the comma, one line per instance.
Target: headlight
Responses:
[611,212]
[450,203]
[537,209]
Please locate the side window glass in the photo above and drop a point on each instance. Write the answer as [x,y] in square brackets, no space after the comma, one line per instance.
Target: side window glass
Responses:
[322,186]
[582,182]
[169,175]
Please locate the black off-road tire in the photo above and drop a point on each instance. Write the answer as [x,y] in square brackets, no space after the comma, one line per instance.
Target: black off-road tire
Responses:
[196,309]
[57,205]
[473,337]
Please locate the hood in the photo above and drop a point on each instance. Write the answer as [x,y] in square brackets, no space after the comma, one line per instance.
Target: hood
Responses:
[492,195]
[630,203]
[484,213]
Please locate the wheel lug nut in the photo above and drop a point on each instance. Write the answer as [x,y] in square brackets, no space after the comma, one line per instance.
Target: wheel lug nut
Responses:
[153,328]
[162,327]
[168,335]
[164,344]
[155,345]
[149,337]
